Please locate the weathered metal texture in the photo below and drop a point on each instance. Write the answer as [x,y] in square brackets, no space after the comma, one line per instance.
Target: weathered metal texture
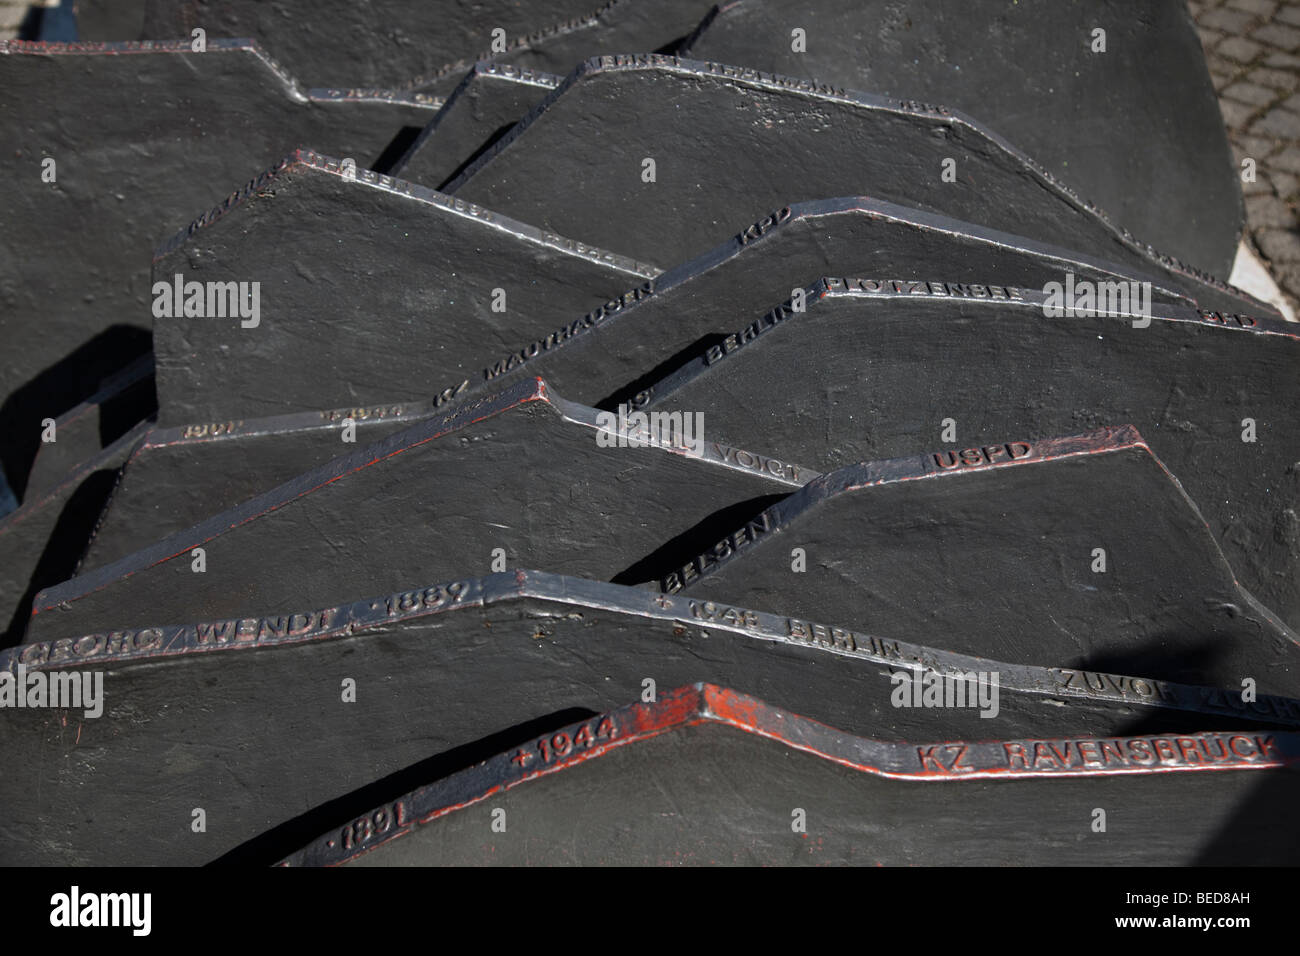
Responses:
[428,45]
[487,102]
[411,252]
[738,781]
[618,26]
[1135,128]
[123,400]
[522,471]
[395,289]
[730,144]
[139,134]
[537,649]
[176,476]
[998,549]
[892,360]
[613,352]
[42,541]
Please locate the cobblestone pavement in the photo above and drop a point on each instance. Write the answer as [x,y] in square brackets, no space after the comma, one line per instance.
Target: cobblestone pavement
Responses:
[1253,50]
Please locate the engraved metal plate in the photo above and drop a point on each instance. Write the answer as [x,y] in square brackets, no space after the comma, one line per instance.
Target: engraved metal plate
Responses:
[431,278]
[613,352]
[250,717]
[140,137]
[729,144]
[485,104]
[1135,128]
[520,478]
[874,363]
[427,44]
[394,291]
[996,547]
[707,775]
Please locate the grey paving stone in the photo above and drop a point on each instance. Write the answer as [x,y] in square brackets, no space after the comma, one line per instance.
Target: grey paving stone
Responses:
[1269,212]
[1262,186]
[1288,160]
[1258,148]
[1278,79]
[1279,36]
[1279,245]
[1227,20]
[1285,185]
[1239,49]
[1260,8]
[1277,122]
[1250,93]
[1236,114]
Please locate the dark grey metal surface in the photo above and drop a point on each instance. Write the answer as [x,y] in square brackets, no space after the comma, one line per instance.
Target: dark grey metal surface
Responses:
[521,472]
[42,541]
[141,136]
[737,781]
[616,350]
[995,549]
[174,477]
[730,144]
[1136,128]
[490,99]
[122,401]
[423,44]
[406,290]
[894,360]
[250,719]
[424,273]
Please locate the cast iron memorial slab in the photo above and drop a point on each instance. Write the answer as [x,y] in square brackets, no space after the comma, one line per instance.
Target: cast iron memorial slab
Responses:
[175,475]
[109,148]
[872,364]
[446,288]
[1078,551]
[1128,118]
[736,780]
[523,477]
[393,291]
[613,352]
[487,102]
[672,153]
[42,541]
[426,44]
[535,651]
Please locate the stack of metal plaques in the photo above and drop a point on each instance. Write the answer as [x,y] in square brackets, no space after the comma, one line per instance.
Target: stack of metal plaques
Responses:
[496,433]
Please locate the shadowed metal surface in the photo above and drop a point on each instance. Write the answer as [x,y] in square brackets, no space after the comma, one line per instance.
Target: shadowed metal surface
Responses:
[1135,128]
[122,401]
[424,271]
[732,143]
[179,696]
[883,361]
[139,135]
[1006,535]
[387,291]
[522,472]
[42,541]
[485,104]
